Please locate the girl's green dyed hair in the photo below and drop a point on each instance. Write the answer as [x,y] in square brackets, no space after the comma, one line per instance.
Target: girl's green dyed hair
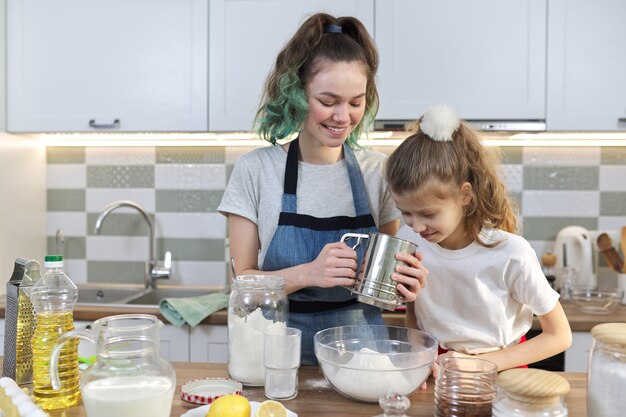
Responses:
[285,106]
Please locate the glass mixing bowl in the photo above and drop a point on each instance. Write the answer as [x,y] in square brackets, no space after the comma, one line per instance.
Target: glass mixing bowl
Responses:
[595,301]
[365,362]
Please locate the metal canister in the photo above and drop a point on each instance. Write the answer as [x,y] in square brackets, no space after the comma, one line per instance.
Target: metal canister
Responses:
[20,322]
[374,284]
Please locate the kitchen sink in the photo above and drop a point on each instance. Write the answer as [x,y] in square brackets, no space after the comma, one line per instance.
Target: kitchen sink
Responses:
[136,295]
[153,297]
[107,294]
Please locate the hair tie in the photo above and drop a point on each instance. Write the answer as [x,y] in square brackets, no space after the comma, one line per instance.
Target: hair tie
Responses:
[440,122]
[333,29]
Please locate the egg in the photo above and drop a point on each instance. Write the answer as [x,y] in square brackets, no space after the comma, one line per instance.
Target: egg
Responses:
[7,382]
[26,408]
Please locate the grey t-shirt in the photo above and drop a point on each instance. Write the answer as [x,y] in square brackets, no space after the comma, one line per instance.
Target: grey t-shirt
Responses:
[255,190]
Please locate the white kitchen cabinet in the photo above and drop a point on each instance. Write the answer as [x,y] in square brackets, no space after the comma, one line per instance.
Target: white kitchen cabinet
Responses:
[174,346]
[484,57]
[577,356]
[586,61]
[208,343]
[107,65]
[245,37]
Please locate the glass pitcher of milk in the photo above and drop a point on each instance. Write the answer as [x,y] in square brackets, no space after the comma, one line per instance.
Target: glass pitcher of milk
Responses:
[128,377]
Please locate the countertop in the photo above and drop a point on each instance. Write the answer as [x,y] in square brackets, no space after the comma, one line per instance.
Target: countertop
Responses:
[317,398]
[578,321]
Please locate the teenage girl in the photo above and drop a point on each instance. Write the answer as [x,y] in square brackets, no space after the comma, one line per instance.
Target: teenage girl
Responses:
[485,282]
[289,204]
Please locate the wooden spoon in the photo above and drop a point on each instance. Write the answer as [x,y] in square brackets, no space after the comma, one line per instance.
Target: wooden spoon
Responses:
[623,245]
[610,254]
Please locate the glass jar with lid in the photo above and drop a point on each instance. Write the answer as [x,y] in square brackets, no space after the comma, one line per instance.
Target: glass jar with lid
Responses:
[256,302]
[526,392]
[606,375]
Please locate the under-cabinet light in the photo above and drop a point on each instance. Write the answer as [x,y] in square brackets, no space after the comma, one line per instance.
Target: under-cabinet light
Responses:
[375,138]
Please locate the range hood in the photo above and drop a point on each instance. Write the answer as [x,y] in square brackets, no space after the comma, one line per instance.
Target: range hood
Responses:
[485,125]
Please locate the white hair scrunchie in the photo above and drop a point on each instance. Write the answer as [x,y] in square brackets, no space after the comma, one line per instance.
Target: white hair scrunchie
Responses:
[439,122]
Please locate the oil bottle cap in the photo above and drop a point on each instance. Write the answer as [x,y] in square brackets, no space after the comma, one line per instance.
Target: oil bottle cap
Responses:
[53,261]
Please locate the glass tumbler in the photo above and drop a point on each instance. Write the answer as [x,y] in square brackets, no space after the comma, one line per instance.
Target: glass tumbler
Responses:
[465,386]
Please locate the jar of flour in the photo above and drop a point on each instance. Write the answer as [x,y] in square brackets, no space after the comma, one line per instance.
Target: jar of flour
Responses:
[606,375]
[256,302]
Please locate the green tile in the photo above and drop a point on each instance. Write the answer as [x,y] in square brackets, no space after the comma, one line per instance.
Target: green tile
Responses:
[117,272]
[123,176]
[66,155]
[613,155]
[561,178]
[546,228]
[190,155]
[65,200]
[75,247]
[188,201]
[192,249]
[119,224]
[512,155]
[612,203]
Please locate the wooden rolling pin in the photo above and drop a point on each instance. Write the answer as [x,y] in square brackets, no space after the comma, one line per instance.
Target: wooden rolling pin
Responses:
[610,254]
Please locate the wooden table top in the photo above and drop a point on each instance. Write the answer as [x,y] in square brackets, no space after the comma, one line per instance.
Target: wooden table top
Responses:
[317,398]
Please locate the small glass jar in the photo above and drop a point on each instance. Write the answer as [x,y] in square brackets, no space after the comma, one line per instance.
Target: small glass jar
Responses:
[465,386]
[606,375]
[525,392]
[256,302]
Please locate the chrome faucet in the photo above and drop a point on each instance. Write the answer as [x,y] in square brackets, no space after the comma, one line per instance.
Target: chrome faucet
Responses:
[154,269]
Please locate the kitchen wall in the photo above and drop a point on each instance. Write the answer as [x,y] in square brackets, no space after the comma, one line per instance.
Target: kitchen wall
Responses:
[22,183]
[555,187]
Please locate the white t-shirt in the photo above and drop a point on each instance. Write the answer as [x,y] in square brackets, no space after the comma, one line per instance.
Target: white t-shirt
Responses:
[480,299]
[255,190]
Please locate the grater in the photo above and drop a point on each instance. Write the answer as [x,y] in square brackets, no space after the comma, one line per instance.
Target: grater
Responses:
[20,322]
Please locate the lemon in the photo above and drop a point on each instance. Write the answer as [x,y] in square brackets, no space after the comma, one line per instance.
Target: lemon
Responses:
[271,408]
[231,405]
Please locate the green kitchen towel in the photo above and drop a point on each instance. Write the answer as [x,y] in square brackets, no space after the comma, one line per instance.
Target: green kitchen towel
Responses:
[192,310]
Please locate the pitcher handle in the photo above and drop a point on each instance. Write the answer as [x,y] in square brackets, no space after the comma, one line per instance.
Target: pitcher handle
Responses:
[358,236]
[56,352]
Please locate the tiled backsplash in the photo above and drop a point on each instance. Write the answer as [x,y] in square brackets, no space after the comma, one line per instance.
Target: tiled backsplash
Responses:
[182,187]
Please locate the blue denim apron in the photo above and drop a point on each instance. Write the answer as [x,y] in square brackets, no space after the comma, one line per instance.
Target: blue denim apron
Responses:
[299,239]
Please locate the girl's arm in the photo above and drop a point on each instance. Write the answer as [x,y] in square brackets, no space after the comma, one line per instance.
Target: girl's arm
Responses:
[555,337]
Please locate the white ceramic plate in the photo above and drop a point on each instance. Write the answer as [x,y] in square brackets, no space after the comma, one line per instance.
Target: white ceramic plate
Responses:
[202,410]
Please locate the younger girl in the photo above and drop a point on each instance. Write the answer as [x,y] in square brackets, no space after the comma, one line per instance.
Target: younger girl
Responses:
[484,283]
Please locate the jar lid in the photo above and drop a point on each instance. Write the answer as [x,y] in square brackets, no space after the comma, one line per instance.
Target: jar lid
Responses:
[207,390]
[610,333]
[533,385]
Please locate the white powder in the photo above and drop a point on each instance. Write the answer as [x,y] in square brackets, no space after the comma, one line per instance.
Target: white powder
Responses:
[607,386]
[245,347]
[375,375]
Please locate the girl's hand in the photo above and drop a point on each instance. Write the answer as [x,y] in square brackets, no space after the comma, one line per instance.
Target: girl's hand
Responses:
[411,278]
[335,265]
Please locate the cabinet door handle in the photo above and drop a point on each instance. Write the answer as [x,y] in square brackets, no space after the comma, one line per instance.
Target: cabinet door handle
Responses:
[114,125]
[621,122]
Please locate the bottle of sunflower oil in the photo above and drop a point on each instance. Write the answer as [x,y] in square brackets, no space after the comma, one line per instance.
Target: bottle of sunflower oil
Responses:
[53,297]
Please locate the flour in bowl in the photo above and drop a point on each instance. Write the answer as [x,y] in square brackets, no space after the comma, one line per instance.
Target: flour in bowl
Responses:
[370,374]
